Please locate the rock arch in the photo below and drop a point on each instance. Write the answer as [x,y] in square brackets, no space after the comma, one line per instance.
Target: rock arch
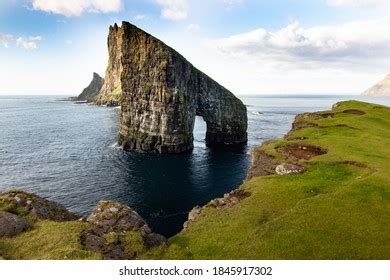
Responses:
[162,93]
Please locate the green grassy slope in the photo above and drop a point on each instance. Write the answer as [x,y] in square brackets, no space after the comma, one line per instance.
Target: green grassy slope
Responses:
[338,209]
[48,240]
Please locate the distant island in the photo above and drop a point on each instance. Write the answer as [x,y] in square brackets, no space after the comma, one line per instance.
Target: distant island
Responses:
[90,93]
[382,88]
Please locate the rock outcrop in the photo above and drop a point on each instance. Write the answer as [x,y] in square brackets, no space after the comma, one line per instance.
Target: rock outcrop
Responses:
[382,88]
[161,93]
[229,200]
[11,225]
[117,217]
[112,219]
[36,206]
[113,230]
[90,93]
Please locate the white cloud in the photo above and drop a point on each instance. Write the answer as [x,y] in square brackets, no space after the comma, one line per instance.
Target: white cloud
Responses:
[69,42]
[173,9]
[193,27]
[29,43]
[351,44]
[77,7]
[6,39]
[358,3]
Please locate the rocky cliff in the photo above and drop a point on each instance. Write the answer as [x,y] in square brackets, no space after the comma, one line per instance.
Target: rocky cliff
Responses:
[161,95]
[90,93]
[380,89]
[111,91]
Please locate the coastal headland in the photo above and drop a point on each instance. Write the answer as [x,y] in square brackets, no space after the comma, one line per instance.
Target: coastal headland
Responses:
[319,193]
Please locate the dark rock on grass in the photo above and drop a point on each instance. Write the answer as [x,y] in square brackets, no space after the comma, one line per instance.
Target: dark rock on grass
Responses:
[36,206]
[115,219]
[154,240]
[94,241]
[11,224]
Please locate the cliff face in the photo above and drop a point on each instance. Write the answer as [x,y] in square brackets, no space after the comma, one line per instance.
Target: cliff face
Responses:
[111,91]
[89,93]
[162,93]
[380,89]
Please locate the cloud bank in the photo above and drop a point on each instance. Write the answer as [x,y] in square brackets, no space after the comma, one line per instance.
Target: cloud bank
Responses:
[360,42]
[77,7]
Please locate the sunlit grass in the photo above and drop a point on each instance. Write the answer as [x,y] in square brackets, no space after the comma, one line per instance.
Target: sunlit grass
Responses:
[339,209]
[49,241]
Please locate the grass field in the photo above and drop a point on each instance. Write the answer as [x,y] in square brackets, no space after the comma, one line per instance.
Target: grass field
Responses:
[338,209]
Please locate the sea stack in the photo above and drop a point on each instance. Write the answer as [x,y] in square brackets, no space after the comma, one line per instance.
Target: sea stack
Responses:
[382,88]
[161,93]
[90,93]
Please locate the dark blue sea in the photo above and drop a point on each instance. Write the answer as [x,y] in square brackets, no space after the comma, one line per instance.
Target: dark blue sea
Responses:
[67,152]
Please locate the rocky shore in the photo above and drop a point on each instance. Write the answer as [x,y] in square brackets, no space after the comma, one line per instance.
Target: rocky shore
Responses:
[112,230]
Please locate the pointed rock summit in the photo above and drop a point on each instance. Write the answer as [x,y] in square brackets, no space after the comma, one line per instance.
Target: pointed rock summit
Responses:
[380,89]
[90,93]
[160,93]
[111,91]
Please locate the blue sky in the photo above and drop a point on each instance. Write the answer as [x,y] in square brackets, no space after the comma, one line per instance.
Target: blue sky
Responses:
[251,47]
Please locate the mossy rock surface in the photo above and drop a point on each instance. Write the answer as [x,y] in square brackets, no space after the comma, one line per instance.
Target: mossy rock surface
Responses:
[26,204]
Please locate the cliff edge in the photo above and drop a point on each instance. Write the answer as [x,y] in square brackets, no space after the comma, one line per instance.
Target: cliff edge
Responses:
[319,193]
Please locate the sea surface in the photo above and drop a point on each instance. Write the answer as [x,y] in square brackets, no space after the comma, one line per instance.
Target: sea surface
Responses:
[67,152]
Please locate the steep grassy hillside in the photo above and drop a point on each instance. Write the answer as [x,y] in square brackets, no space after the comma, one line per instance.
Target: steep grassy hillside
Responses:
[338,209]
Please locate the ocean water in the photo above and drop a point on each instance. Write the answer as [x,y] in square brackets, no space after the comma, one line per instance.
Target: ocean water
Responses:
[67,152]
